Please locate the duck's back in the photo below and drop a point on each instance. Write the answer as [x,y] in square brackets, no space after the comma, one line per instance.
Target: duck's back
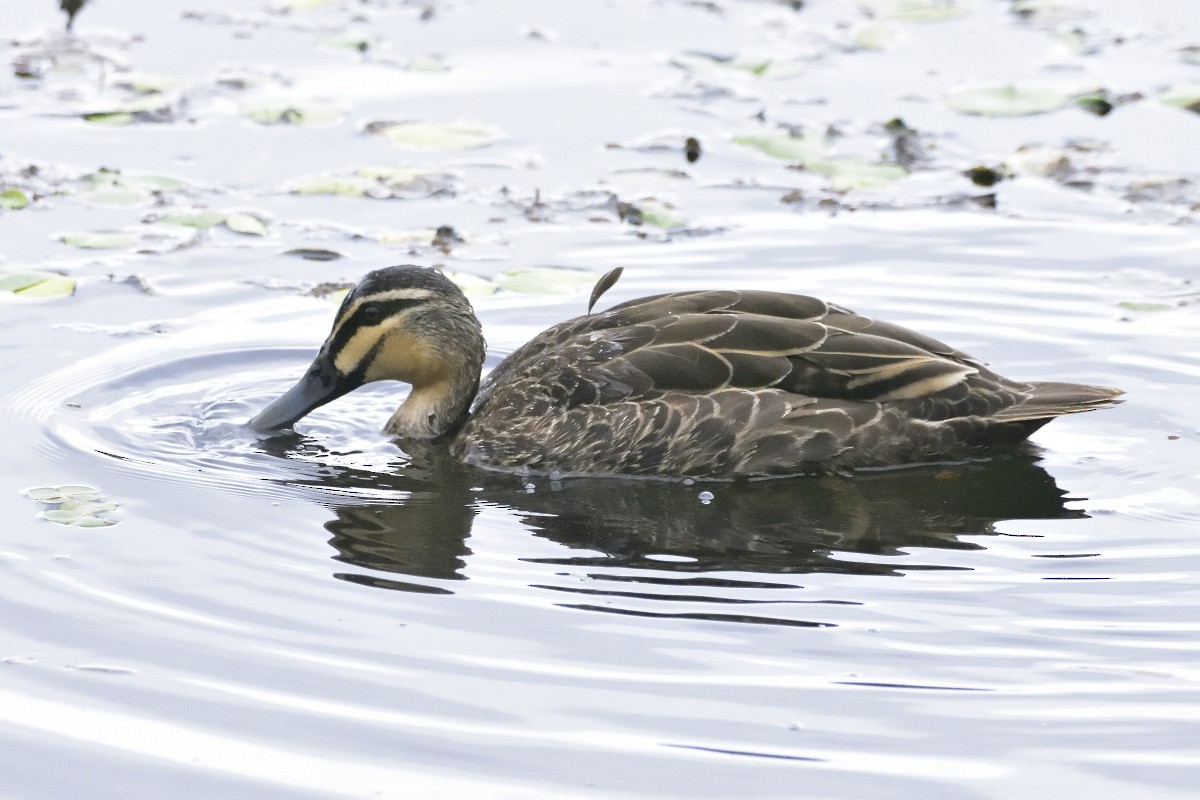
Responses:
[731,383]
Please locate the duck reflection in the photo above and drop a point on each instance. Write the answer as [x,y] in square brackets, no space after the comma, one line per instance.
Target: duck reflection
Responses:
[419,527]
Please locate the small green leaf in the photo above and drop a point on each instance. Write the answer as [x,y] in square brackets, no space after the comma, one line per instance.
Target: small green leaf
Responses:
[36,284]
[114,188]
[61,516]
[1130,305]
[546,280]
[99,240]
[1008,101]
[473,286]
[438,135]
[808,146]
[661,214]
[193,219]
[761,67]
[343,185]
[1184,95]
[876,36]
[417,236]
[247,224]
[915,10]
[92,522]
[79,492]
[285,112]
[13,199]
[148,82]
[110,118]
[45,494]
[857,173]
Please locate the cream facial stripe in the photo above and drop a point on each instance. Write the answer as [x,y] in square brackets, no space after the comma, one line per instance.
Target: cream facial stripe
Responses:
[378,297]
[351,355]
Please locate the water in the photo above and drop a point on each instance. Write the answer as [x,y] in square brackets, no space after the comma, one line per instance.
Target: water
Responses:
[320,615]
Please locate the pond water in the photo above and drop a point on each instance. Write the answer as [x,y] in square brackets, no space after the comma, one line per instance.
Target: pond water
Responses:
[315,616]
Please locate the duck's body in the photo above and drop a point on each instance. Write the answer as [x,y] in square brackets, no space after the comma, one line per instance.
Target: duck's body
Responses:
[714,384]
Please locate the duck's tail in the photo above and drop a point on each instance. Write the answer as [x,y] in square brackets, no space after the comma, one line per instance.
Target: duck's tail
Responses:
[1050,399]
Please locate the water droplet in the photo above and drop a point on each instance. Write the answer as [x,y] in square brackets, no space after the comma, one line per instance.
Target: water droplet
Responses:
[706,497]
[688,482]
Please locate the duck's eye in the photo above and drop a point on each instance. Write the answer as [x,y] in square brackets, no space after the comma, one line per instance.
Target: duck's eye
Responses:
[372,313]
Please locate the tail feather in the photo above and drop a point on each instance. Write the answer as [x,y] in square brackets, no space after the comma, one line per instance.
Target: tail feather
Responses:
[1049,399]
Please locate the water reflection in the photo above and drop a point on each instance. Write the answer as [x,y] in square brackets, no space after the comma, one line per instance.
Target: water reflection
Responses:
[780,527]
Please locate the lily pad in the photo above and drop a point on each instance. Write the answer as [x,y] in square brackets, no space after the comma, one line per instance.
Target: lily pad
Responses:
[659,213]
[249,224]
[1130,305]
[379,182]
[13,199]
[343,185]
[114,188]
[876,36]
[857,173]
[546,280]
[148,82]
[100,240]
[194,219]
[808,146]
[418,135]
[758,66]
[915,10]
[473,286]
[149,108]
[1039,160]
[110,117]
[1008,101]
[35,283]
[415,236]
[1184,95]
[291,112]
[78,506]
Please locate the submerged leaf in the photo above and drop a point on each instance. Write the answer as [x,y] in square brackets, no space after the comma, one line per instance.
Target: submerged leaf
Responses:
[438,135]
[1008,101]
[546,280]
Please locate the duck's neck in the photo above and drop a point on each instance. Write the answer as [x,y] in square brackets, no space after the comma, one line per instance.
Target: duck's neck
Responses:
[435,409]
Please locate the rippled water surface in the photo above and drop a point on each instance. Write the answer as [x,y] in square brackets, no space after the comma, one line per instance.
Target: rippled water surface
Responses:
[320,615]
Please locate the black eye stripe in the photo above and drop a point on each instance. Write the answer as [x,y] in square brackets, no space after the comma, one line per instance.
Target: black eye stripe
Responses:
[361,320]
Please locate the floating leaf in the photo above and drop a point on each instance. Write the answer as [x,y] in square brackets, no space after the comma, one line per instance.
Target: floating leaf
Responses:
[110,118]
[857,173]
[876,36]
[915,10]
[148,82]
[247,224]
[194,219]
[473,285]
[1008,101]
[417,236]
[13,199]
[438,135]
[99,240]
[1045,162]
[546,280]
[1096,103]
[36,284]
[1184,95]
[762,67]
[361,42]
[809,145]
[291,112]
[1128,305]
[79,506]
[659,213]
[426,63]
[344,185]
[114,188]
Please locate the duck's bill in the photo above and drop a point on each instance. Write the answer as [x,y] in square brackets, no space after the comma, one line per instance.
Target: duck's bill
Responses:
[320,385]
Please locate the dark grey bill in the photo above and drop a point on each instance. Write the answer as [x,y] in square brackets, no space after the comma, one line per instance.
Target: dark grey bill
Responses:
[320,385]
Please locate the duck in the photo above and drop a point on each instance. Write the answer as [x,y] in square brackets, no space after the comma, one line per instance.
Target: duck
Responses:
[704,384]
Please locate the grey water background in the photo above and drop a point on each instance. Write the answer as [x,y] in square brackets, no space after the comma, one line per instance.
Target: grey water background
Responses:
[315,616]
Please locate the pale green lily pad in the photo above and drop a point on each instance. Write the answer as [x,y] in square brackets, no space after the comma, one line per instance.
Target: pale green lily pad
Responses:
[438,135]
[857,173]
[376,181]
[546,280]
[343,185]
[35,283]
[660,214]
[760,67]
[1184,95]
[13,199]
[416,236]
[110,117]
[248,224]
[152,107]
[1130,305]
[808,146]
[291,112]
[426,63]
[353,41]
[473,286]
[114,188]
[193,219]
[915,10]
[1008,101]
[1039,160]
[99,240]
[78,506]
[876,36]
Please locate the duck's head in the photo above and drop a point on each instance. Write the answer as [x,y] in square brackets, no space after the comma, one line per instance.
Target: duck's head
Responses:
[405,323]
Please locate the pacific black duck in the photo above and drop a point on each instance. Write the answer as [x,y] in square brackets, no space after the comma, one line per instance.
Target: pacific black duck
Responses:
[714,384]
